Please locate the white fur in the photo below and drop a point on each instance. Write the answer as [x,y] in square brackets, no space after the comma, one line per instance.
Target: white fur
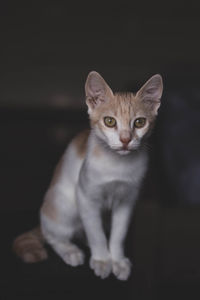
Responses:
[84,188]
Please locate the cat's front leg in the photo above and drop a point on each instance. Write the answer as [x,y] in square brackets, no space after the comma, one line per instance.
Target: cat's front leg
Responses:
[121,265]
[90,212]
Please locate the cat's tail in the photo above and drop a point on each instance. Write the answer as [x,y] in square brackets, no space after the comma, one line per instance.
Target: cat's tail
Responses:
[29,246]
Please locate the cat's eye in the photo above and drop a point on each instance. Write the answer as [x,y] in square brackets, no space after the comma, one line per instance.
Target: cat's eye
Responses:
[140,122]
[110,122]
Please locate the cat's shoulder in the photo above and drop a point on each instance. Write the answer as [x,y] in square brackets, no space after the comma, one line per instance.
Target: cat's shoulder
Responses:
[80,142]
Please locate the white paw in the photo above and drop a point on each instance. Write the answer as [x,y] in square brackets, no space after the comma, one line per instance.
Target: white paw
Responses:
[121,268]
[74,257]
[102,268]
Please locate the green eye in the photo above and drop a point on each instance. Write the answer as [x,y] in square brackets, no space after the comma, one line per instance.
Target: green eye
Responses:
[110,122]
[140,122]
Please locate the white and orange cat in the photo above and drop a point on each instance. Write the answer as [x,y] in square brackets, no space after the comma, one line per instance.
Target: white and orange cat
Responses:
[101,169]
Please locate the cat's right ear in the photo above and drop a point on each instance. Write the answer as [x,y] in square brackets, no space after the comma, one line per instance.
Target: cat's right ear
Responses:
[97,91]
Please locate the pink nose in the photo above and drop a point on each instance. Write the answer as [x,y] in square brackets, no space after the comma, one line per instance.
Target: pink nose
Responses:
[125,139]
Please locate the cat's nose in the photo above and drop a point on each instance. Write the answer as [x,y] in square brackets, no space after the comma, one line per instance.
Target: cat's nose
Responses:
[125,138]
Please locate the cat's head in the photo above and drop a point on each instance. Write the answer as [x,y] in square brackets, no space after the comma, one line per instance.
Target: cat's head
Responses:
[122,120]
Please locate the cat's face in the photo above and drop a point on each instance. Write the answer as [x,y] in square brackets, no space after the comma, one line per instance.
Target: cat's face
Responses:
[122,121]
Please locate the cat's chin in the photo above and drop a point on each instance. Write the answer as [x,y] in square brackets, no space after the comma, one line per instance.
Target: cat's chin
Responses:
[123,152]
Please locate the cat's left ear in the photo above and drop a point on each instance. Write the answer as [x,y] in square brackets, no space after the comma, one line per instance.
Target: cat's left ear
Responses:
[97,91]
[151,92]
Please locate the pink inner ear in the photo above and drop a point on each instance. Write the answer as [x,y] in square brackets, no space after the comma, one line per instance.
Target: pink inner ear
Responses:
[97,90]
[95,85]
[152,94]
[152,89]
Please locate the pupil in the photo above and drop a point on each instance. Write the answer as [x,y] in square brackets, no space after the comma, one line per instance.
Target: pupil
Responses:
[109,121]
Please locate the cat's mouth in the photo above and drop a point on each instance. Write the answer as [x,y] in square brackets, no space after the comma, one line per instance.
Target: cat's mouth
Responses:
[126,150]
[123,151]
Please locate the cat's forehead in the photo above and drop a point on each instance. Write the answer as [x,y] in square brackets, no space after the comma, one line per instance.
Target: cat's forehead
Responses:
[123,104]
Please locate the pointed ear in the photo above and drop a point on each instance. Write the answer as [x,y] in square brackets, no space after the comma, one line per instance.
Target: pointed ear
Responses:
[151,92]
[96,90]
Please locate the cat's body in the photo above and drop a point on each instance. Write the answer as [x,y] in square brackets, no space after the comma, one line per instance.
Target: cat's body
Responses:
[101,170]
[104,181]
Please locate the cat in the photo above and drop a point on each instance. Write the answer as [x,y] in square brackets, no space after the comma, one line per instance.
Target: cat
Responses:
[101,170]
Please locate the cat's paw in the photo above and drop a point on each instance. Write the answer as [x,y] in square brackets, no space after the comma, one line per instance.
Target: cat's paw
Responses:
[102,268]
[121,268]
[74,257]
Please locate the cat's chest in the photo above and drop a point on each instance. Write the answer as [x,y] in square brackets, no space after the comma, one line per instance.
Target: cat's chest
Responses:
[110,168]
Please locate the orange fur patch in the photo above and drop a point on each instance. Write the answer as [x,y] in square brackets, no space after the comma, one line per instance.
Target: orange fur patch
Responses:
[80,142]
[48,209]
[57,172]
[97,151]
